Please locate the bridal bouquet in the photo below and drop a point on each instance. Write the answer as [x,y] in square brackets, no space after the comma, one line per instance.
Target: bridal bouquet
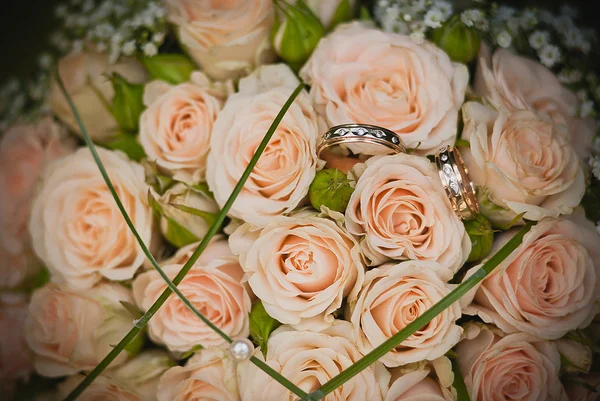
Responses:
[248,200]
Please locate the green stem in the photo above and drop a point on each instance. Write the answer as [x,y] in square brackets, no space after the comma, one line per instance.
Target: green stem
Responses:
[143,321]
[423,319]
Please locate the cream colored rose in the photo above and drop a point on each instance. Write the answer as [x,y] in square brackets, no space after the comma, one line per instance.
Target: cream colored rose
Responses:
[400,211]
[84,76]
[181,194]
[227,38]
[308,360]
[391,297]
[16,361]
[548,286]
[72,331]
[214,288]
[359,74]
[517,82]
[423,383]
[326,9]
[25,151]
[301,267]
[515,367]
[208,376]
[77,229]
[175,129]
[577,392]
[103,388]
[526,162]
[288,165]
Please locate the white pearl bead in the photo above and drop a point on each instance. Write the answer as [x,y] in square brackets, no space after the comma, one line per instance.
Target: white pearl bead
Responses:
[241,350]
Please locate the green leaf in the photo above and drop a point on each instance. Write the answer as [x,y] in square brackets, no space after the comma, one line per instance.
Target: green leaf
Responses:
[343,13]
[171,68]
[131,308]
[39,280]
[127,144]
[459,383]
[208,217]
[365,15]
[261,326]
[127,103]
[191,352]
[462,143]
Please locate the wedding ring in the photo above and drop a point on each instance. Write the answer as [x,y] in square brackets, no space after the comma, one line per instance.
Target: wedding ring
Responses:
[457,183]
[384,140]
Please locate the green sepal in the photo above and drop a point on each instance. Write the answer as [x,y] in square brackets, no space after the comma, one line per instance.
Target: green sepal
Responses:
[176,234]
[127,103]
[191,351]
[261,326]
[481,233]
[171,68]
[128,144]
[208,217]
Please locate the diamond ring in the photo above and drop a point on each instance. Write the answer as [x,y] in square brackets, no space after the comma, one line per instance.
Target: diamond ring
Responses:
[457,183]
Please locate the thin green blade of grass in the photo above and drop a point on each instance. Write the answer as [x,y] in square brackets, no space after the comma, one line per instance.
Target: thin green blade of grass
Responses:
[143,321]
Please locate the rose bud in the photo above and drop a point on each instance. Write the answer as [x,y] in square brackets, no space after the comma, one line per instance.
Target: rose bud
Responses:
[481,235]
[575,357]
[171,68]
[458,40]
[296,33]
[332,12]
[330,188]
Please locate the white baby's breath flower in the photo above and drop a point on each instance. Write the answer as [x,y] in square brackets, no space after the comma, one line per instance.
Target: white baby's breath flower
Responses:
[87,6]
[582,95]
[158,37]
[549,55]
[596,143]
[150,49]
[45,60]
[61,11]
[528,19]
[595,165]
[539,39]
[504,39]
[586,109]
[505,12]
[445,8]
[569,76]
[129,48]
[434,18]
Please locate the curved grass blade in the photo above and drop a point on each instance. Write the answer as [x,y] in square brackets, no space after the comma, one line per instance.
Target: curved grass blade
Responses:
[423,319]
[143,321]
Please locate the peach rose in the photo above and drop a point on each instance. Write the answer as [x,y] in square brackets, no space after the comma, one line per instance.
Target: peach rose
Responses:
[400,210]
[548,286]
[359,74]
[432,382]
[77,229]
[391,297]
[103,388]
[84,76]
[301,267]
[25,151]
[16,361]
[310,359]
[515,367]
[71,331]
[213,287]
[175,129]
[208,376]
[227,38]
[288,165]
[525,162]
[577,392]
[517,82]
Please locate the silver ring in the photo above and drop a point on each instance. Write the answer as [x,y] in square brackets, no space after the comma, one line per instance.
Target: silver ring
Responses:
[360,133]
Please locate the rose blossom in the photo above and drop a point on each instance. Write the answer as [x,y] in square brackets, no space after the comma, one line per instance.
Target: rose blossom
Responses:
[515,367]
[77,229]
[526,162]
[71,331]
[84,77]
[25,151]
[175,129]
[227,38]
[359,74]
[518,82]
[391,297]
[213,287]
[103,388]
[301,267]
[208,376]
[288,165]
[417,383]
[310,359]
[577,392]
[401,211]
[16,362]
[548,286]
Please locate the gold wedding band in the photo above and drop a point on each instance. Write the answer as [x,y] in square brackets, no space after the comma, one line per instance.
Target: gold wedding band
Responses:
[457,183]
[360,133]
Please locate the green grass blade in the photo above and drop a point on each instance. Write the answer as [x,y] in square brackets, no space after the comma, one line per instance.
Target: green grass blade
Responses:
[143,321]
[423,319]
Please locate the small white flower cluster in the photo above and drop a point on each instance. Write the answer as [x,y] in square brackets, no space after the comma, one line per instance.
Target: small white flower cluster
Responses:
[595,166]
[412,17]
[113,26]
[24,98]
